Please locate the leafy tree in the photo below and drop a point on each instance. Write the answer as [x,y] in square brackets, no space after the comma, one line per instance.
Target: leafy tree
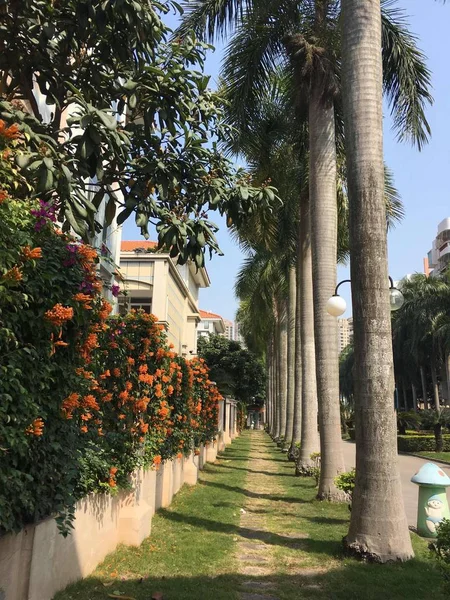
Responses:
[113,112]
[236,371]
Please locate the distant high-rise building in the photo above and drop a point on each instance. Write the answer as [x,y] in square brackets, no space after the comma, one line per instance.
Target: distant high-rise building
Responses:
[229,329]
[237,333]
[438,258]
[345,333]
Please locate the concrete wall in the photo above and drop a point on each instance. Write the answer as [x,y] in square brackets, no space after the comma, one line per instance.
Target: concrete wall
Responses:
[38,562]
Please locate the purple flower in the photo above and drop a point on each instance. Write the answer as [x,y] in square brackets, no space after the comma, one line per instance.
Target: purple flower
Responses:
[115,290]
[86,287]
[45,213]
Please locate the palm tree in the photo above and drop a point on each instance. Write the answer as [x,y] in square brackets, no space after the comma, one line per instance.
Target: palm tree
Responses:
[378,526]
[305,38]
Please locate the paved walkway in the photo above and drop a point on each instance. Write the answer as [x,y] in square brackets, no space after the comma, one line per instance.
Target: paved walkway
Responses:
[409,465]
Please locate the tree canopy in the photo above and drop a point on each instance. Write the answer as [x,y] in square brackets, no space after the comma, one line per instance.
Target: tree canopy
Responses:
[112,110]
[236,371]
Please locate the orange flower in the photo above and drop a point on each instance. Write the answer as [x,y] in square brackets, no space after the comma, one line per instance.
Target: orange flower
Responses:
[180,455]
[106,374]
[128,385]
[145,378]
[143,369]
[84,299]
[59,314]
[105,311]
[130,360]
[70,404]
[14,274]
[122,417]
[141,405]
[169,390]
[157,460]
[31,253]
[123,396]
[3,196]
[83,429]
[158,390]
[11,132]
[90,402]
[36,428]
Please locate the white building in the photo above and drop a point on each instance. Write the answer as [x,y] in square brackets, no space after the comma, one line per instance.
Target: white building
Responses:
[438,259]
[210,324]
[154,283]
[345,333]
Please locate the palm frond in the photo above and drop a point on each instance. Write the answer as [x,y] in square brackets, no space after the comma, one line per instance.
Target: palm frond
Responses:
[211,19]
[407,79]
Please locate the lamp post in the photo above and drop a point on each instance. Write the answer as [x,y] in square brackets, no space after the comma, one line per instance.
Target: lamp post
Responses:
[336,305]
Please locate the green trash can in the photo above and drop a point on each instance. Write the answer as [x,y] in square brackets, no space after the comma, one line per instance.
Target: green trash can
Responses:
[433,504]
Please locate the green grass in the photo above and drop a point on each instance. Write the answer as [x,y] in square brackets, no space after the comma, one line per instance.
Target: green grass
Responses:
[190,554]
[191,543]
[337,577]
[444,456]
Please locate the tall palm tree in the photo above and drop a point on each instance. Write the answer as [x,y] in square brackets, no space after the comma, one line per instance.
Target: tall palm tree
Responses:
[305,37]
[378,526]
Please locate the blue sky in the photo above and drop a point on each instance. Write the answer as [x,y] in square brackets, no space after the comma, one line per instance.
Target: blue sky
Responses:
[422,178]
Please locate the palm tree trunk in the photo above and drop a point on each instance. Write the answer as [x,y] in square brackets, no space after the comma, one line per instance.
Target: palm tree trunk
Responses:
[405,398]
[447,373]
[434,379]
[414,395]
[290,359]
[297,425]
[309,433]
[283,369]
[268,403]
[322,185]
[276,382]
[378,525]
[424,388]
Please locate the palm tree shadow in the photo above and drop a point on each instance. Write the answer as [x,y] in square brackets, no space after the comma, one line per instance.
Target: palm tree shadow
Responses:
[261,496]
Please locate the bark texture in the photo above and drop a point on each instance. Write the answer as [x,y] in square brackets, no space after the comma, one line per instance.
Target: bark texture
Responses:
[378,525]
[309,433]
[283,369]
[322,186]
[424,388]
[290,359]
[297,425]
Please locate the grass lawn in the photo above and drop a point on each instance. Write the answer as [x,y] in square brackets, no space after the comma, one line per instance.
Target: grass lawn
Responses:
[191,553]
[444,456]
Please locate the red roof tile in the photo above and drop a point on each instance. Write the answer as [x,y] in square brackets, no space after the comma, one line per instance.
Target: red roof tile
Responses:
[208,315]
[129,246]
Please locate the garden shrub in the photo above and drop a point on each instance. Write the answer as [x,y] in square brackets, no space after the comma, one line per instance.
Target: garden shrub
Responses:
[441,548]
[420,443]
[84,398]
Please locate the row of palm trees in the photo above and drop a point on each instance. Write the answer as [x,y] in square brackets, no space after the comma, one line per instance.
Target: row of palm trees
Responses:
[303,81]
[421,335]
[421,346]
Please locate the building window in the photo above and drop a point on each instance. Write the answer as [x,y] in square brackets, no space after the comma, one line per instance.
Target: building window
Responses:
[206,325]
[141,304]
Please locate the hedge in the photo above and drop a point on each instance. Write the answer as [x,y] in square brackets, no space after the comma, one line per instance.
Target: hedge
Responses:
[84,399]
[420,443]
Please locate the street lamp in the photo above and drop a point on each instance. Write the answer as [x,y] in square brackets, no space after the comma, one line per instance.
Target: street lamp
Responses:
[336,305]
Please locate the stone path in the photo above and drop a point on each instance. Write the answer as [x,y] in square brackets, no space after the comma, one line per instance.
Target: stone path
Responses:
[409,465]
[252,553]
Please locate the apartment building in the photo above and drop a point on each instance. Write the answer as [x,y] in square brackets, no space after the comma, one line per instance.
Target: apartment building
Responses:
[153,282]
[229,329]
[345,333]
[438,258]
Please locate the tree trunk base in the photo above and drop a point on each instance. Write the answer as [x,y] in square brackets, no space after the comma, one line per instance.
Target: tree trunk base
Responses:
[361,552]
[332,495]
[304,470]
[293,453]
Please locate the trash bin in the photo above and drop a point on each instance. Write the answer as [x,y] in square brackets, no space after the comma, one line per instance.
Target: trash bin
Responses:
[433,505]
